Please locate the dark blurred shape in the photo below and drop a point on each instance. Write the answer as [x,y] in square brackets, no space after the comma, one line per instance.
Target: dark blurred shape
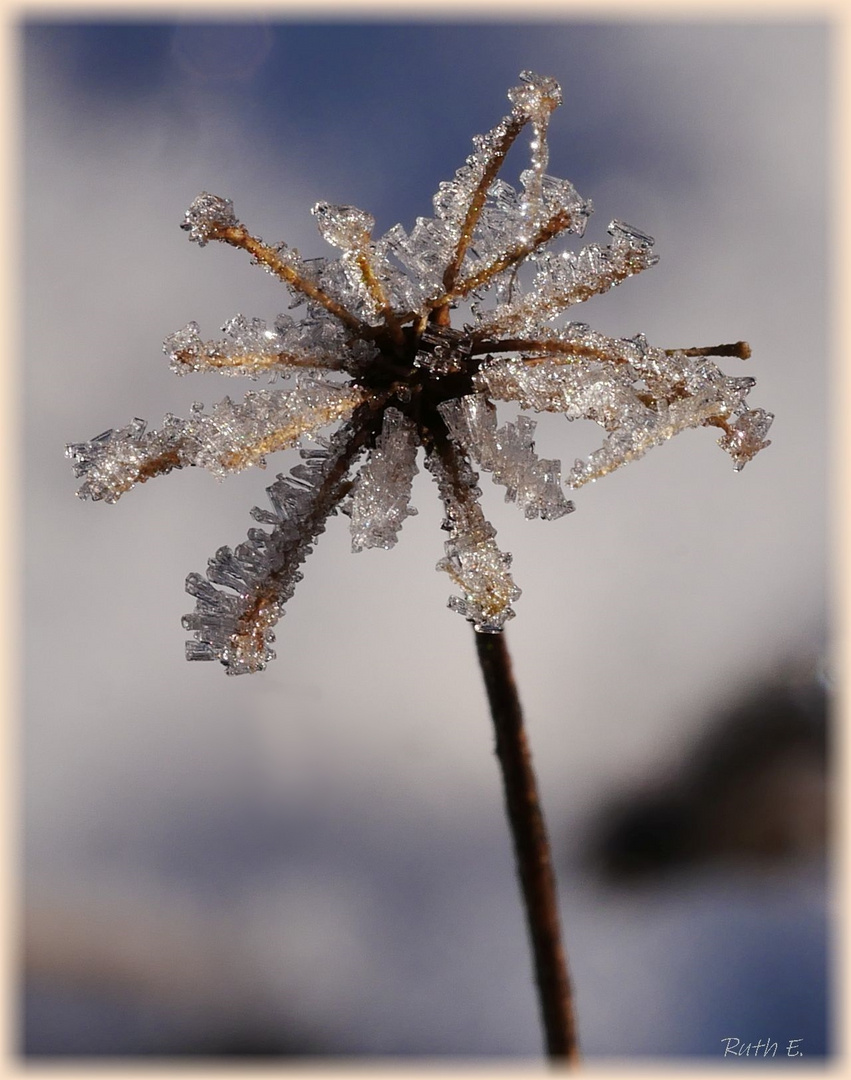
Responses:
[78,1021]
[752,789]
[117,975]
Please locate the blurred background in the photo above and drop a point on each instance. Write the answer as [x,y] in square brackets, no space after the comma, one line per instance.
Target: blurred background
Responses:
[314,860]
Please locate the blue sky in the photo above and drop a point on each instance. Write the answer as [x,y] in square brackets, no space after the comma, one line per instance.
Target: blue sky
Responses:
[347,81]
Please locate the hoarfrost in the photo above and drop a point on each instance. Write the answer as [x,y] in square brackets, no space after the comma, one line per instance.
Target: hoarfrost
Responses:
[376,352]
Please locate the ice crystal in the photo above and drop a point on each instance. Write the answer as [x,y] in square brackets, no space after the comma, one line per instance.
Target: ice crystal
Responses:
[382,491]
[375,352]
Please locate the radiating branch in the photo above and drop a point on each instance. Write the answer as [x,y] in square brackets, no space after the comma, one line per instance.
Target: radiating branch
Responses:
[376,291]
[238,236]
[739,349]
[564,352]
[546,232]
[255,362]
[513,126]
[473,560]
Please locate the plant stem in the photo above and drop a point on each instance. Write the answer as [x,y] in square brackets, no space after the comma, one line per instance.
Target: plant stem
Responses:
[531,848]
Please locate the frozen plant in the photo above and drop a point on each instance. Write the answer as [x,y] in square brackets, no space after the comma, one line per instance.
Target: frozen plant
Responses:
[376,354]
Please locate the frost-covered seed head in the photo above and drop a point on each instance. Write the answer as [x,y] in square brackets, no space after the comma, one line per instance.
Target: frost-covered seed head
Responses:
[375,353]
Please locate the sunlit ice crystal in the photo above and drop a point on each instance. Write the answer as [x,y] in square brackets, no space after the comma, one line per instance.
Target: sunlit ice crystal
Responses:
[472,559]
[509,454]
[344,226]
[747,436]
[426,251]
[499,219]
[443,350]
[207,216]
[405,342]
[116,460]
[185,349]
[628,236]
[536,96]
[560,195]
[380,499]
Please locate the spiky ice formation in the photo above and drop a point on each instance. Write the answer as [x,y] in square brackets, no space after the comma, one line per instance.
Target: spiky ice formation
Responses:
[472,559]
[228,439]
[509,454]
[381,494]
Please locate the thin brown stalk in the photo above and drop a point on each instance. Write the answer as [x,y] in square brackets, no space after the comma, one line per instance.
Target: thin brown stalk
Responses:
[547,307]
[556,224]
[238,236]
[376,291]
[559,351]
[531,848]
[258,361]
[739,349]
[474,210]
[568,350]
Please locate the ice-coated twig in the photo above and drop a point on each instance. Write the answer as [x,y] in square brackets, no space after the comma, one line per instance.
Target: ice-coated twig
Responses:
[236,626]
[547,231]
[231,437]
[380,497]
[211,217]
[461,201]
[350,229]
[479,174]
[119,458]
[472,559]
[509,454]
[250,348]
[569,278]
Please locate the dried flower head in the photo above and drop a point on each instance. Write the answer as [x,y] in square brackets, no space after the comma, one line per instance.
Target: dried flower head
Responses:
[376,353]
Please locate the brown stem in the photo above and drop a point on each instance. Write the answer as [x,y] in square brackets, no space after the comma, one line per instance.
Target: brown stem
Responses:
[552,349]
[512,130]
[574,350]
[255,361]
[531,848]
[376,291]
[238,236]
[556,224]
[739,349]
